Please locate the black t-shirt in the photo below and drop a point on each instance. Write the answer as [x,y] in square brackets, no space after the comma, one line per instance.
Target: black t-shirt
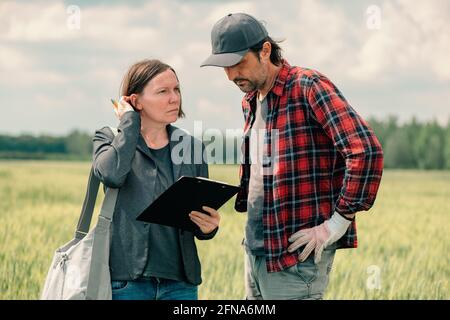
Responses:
[164,258]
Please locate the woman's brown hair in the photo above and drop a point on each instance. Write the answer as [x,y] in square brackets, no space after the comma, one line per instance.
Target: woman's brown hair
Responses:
[140,73]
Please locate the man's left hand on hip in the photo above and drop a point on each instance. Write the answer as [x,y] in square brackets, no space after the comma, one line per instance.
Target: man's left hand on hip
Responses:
[319,237]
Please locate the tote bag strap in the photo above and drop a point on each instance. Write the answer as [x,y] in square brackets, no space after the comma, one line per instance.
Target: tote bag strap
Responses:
[87,210]
[88,206]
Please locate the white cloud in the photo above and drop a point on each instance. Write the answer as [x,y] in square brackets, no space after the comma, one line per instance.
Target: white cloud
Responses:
[216,113]
[45,103]
[107,76]
[317,35]
[12,59]
[25,79]
[414,36]
[431,104]
[114,27]
[222,10]
[49,102]
[198,48]
[176,61]
[108,25]
[37,21]
[18,68]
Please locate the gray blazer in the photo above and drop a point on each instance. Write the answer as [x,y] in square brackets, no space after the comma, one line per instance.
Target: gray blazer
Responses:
[124,162]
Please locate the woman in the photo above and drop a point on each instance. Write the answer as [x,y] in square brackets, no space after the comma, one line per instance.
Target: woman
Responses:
[150,261]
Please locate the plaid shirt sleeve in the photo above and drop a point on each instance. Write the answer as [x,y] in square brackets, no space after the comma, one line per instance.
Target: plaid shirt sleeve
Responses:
[353,138]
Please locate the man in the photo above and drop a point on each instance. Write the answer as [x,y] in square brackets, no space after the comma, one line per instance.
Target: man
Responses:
[301,198]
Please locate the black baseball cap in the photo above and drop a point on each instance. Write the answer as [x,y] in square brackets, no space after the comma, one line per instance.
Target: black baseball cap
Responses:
[231,38]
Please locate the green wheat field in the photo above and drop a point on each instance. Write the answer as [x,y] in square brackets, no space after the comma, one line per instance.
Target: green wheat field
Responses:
[403,240]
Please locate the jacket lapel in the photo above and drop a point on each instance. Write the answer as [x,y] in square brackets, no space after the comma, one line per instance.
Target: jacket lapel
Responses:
[176,167]
[142,146]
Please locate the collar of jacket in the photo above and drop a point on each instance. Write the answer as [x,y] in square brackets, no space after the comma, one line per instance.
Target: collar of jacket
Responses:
[171,130]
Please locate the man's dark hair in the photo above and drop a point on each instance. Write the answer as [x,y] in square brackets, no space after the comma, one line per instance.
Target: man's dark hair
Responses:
[275,55]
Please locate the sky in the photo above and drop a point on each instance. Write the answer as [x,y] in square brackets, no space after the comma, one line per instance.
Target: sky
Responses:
[62,61]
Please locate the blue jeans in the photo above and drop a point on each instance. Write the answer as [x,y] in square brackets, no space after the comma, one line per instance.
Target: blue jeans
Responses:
[153,289]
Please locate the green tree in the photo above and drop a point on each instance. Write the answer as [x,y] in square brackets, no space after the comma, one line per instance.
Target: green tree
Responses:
[430,146]
[78,143]
[384,129]
[399,152]
[411,129]
[447,146]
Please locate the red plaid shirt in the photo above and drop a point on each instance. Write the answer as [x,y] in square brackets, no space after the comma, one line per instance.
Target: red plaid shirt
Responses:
[328,159]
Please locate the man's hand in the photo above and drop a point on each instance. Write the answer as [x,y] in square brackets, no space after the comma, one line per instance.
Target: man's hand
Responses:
[319,237]
[206,223]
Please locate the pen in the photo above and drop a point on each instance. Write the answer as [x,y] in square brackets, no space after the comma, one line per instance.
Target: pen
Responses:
[115,104]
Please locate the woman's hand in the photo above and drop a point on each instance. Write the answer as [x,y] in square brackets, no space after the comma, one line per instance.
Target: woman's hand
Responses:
[206,223]
[123,106]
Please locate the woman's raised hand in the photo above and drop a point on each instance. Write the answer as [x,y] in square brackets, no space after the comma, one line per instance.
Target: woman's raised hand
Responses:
[123,106]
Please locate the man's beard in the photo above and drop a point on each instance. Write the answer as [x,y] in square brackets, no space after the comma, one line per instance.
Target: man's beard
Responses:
[245,85]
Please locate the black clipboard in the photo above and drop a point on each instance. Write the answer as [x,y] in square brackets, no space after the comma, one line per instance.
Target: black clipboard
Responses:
[187,194]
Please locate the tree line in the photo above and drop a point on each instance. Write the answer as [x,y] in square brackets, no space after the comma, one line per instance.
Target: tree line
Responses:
[76,145]
[413,145]
[410,145]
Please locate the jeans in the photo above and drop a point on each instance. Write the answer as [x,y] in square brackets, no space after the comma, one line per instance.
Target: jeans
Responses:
[303,281]
[153,289]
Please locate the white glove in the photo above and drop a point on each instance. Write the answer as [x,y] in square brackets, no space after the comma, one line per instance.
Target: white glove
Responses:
[319,237]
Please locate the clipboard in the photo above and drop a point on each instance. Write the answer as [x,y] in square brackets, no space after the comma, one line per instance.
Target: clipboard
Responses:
[187,194]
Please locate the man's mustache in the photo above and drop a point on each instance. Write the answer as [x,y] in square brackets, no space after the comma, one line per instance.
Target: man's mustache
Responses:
[240,79]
